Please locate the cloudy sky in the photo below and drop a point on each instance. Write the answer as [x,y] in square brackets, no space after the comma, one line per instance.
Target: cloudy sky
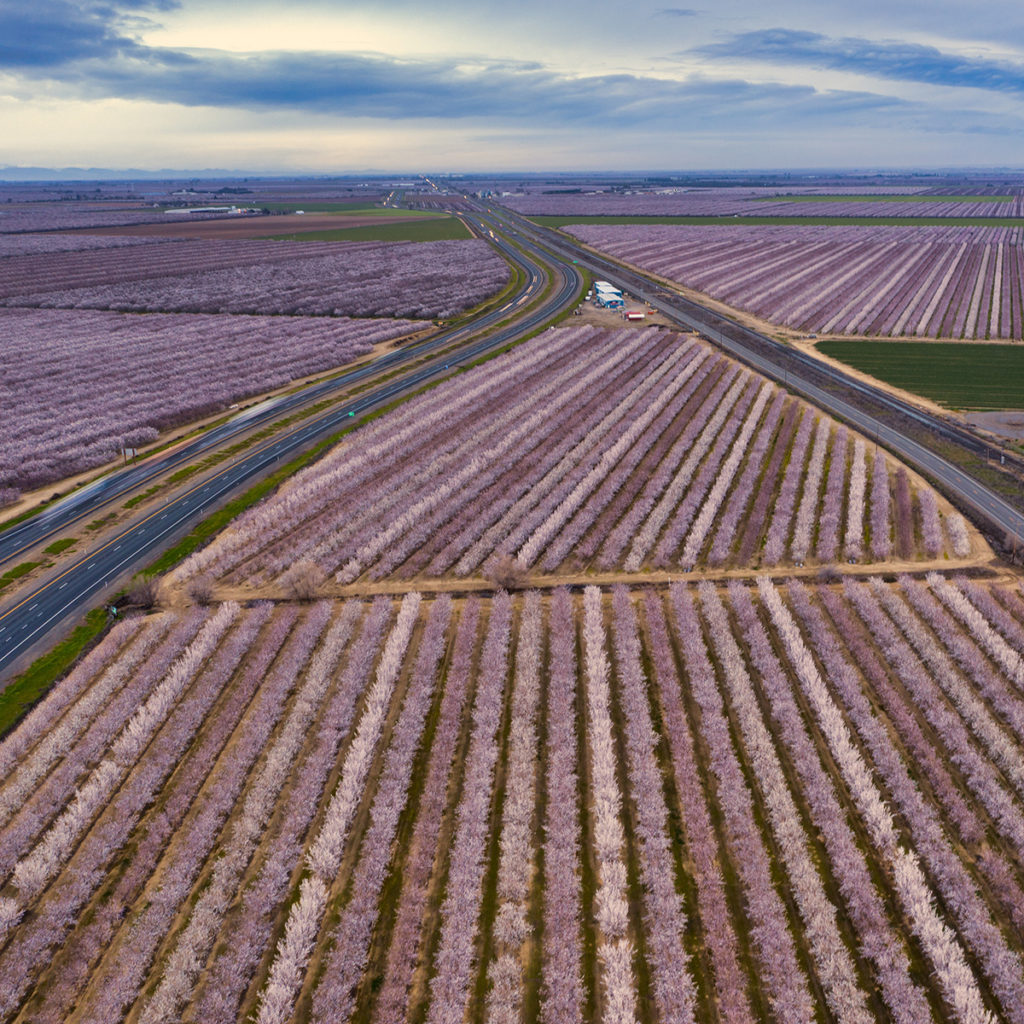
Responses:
[325,85]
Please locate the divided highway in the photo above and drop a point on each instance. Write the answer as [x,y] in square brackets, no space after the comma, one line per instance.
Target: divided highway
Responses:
[822,384]
[25,627]
[89,501]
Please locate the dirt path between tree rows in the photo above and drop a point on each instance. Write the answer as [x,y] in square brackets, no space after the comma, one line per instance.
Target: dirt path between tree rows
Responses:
[980,564]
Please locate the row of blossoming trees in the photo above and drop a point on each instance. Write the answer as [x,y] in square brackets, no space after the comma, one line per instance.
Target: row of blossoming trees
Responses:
[77,387]
[404,279]
[585,447]
[739,201]
[80,381]
[755,802]
[963,282]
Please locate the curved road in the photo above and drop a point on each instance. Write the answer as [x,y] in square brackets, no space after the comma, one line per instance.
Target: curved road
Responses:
[86,502]
[25,626]
[819,382]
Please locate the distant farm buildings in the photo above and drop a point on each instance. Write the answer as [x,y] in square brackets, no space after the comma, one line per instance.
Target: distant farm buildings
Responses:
[179,210]
[608,295]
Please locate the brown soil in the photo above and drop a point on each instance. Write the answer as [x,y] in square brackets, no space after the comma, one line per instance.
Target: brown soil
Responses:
[1002,422]
[981,558]
[614,319]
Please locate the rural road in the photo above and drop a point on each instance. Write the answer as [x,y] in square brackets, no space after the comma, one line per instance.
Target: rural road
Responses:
[87,502]
[27,626]
[801,373]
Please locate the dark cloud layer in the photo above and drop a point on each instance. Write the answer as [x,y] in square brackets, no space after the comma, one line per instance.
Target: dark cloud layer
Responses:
[362,85]
[92,50]
[910,62]
[53,33]
[56,33]
[90,47]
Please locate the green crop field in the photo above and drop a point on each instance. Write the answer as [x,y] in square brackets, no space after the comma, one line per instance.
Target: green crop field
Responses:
[348,206]
[726,221]
[359,209]
[959,376]
[434,229]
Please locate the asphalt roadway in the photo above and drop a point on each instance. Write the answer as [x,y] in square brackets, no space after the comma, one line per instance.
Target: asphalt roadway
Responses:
[29,626]
[88,501]
[820,383]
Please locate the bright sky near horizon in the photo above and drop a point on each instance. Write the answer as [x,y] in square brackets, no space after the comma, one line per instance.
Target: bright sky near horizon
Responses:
[321,86]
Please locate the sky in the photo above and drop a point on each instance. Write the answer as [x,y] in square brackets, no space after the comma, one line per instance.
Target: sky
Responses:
[477,85]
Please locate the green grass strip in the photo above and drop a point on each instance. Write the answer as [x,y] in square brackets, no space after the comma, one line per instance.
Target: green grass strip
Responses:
[61,545]
[23,569]
[27,514]
[958,375]
[341,210]
[340,206]
[29,687]
[140,498]
[411,231]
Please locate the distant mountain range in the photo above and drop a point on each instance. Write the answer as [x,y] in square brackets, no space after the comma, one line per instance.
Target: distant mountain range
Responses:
[11,174]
